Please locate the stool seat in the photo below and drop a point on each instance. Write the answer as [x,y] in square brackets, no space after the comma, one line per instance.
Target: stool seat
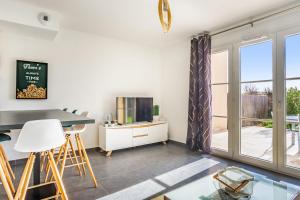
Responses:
[74,129]
[40,135]
[4,137]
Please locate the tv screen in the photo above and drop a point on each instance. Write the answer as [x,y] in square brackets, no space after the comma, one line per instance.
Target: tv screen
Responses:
[144,108]
[134,109]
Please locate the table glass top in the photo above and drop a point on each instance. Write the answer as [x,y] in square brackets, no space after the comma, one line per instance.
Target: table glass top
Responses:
[263,189]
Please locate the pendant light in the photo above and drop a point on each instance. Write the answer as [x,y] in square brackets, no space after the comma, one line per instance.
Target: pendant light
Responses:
[165,16]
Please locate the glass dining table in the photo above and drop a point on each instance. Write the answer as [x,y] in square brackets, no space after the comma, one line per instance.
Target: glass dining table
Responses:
[207,189]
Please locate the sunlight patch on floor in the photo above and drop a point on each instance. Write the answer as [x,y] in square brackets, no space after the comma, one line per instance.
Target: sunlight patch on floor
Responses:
[182,173]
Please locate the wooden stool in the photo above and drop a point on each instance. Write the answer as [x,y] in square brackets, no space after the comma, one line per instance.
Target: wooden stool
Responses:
[64,154]
[6,173]
[40,136]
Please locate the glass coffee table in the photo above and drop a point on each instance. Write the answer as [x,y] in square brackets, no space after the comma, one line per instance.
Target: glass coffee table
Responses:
[263,189]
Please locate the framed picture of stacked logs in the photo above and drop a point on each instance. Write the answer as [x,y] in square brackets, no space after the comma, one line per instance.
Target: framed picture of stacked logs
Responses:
[31,80]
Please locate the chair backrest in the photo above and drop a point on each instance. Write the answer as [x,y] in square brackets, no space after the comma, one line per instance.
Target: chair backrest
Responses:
[40,135]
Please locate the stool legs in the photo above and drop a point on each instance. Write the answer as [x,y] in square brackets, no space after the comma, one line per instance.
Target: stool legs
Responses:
[75,156]
[5,183]
[63,156]
[43,158]
[86,158]
[48,167]
[24,182]
[7,163]
[27,177]
[57,177]
[6,172]
[63,163]
[80,154]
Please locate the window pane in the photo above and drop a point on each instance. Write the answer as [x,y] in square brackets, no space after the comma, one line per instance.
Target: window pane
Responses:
[292,44]
[256,132]
[219,67]
[256,139]
[219,99]
[256,100]
[220,133]
[292,123]
[256,62]
[257,123]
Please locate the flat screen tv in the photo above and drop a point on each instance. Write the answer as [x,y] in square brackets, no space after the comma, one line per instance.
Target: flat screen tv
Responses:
[134,109]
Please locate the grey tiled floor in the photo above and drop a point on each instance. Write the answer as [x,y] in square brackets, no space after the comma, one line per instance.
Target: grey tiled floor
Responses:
[129,167]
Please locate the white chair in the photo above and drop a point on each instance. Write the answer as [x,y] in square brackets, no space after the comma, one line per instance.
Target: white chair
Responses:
[40,136]
[74,130]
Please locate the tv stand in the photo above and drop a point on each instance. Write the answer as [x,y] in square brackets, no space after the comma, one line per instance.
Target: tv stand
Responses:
[132,135]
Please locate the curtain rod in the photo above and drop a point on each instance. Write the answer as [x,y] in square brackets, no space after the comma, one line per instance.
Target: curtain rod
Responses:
[250,22]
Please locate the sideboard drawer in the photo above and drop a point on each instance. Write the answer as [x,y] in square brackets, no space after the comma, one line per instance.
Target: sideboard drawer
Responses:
[140,131]
[141,139]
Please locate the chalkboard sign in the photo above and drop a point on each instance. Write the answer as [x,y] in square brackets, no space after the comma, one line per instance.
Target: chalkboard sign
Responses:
[31,80]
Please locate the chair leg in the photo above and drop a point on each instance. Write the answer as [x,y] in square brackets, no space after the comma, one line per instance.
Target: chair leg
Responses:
[70,157]
[59,154]
[22,180]
[75,155]
[63,163]
[43,156]
[6,172]
[80,154]
[7,163]
[5,184]
[48,169]
[87,160]
[57,177]
[27,178]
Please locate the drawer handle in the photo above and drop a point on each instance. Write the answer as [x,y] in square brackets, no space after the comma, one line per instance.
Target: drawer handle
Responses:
[136,136]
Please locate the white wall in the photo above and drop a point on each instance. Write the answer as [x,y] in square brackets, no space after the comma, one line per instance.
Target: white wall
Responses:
[176,66]
[85,72]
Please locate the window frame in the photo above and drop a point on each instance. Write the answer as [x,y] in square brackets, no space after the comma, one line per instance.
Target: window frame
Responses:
[229,84]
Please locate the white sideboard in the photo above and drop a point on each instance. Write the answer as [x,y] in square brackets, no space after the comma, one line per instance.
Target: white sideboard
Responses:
[126,136]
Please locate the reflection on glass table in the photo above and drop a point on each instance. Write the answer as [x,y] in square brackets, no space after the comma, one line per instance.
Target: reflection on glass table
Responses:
[263,189]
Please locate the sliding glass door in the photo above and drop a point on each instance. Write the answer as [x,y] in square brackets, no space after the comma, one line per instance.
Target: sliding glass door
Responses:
[289,87]
[256,102]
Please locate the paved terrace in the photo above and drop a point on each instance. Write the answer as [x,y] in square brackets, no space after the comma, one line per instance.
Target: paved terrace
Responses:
[257,142]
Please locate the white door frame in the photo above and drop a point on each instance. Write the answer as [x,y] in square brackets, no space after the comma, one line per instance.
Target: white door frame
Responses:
[281,75]
[237,62]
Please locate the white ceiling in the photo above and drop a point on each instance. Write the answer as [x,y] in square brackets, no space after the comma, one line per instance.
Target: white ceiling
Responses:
[137,20]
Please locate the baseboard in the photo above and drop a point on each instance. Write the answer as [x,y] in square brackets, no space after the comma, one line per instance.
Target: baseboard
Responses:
[177,143]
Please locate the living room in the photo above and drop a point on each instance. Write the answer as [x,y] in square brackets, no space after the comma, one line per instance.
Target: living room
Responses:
[149,99]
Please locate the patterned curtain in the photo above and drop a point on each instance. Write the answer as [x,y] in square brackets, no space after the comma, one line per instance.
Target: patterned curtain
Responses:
[200,114]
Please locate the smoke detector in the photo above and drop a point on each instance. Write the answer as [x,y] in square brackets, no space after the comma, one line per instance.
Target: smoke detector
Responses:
[43,18]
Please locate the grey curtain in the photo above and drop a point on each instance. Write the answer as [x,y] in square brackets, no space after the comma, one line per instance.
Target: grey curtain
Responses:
[200,114]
